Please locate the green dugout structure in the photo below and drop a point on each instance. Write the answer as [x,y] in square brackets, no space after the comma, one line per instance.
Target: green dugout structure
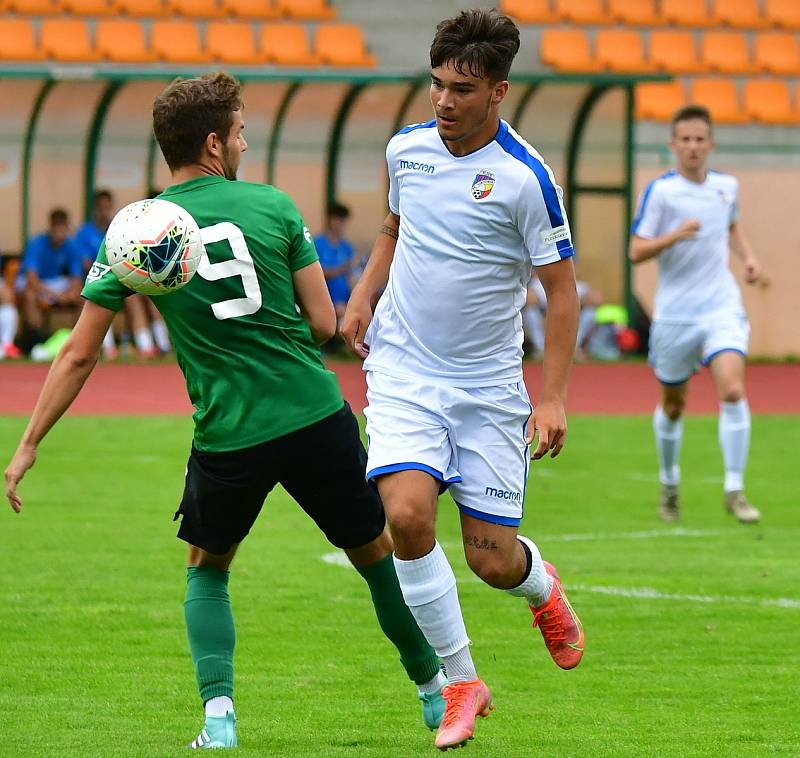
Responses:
[318,136]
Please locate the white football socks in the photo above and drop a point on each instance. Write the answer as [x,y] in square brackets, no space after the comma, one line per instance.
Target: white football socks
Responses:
[108,341]
[219,706]
[429,589]
[143,340]
[668,444]
[8,324]
[734,439]
[434,685]
[537,586]
[161,335]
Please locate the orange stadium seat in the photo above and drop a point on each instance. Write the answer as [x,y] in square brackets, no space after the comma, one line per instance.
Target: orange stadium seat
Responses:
[567,50]
[621,50]
[720,96]
[770,102]
[685,12]
[32,7]
[310,10]
[67,39]
[286,45]
[18,41]
[741,14]
[674,52]
[726,52]
[636,12]
[177,42]
[657,101]
[123,41]
[250,9]
[87,7]
[197,8]
[783,13]
[232,43]
[778,53]
[143,8]
[343,45]
[582,11]
[529,11]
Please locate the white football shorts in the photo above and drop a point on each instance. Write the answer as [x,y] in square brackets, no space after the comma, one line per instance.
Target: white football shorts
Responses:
[471,439]
[677,350]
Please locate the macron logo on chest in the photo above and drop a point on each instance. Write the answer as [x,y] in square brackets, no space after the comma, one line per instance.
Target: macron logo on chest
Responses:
[425,168]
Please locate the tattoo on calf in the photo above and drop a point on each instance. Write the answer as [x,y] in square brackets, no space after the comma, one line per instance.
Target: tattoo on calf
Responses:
[389,231]
[480,544]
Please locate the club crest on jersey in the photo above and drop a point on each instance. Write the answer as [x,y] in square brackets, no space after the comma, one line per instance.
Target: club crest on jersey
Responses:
[483,185]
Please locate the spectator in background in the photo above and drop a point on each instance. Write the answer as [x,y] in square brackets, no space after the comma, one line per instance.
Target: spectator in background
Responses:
[51,275]
[336,256]
[9,318]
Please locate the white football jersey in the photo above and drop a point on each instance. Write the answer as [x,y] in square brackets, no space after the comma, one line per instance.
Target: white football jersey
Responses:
[470,229]
[694,280]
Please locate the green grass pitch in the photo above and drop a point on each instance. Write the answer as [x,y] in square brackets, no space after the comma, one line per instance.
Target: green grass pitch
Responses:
[693,633]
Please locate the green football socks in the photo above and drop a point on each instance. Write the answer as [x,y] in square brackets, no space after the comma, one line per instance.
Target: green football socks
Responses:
[209,625]
[417,656]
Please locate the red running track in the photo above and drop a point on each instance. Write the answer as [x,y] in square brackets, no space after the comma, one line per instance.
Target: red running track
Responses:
[152,389]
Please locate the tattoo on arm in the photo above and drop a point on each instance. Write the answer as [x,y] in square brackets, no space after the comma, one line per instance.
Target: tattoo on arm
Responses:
[480,544]
[389,231]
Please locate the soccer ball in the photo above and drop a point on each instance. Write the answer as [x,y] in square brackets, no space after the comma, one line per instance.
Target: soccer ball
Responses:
[154,246]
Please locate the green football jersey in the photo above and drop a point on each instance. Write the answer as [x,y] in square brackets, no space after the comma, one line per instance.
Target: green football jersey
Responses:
[253,370]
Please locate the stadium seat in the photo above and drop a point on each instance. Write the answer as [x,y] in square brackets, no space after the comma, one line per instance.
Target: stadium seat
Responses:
[232,43]
[770,102]
[67,39]
[778,53]
[657,101]
[123,41]
[582,11]
[674,52]
[567,50]
[87,7]
[177,42]
[286,45]
[621,50]
[310,10]
[143,8]
[343,45]
[18,41]
[726,52]
[783,13]
[720,96]
[31,7]
[250,9]
[636,12]
[529,11]
[740,14]
[197,8]
[685,12]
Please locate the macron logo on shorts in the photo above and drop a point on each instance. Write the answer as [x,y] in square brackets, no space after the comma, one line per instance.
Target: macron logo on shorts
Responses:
[503,494]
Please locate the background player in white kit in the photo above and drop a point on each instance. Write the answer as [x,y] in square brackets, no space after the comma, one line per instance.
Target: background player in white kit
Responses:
[689,218]
[472,206]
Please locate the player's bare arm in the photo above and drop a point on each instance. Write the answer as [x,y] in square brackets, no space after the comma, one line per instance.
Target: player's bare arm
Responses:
[741,248]
[362,302]
[67,375]
[561,329]
[315,302]
[642,249]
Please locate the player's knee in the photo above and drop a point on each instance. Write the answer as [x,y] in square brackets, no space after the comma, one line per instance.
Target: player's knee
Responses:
[732,392]
[673,407]
[409,524]
[489,567]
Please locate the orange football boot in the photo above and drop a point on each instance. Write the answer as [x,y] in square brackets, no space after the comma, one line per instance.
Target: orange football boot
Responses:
[464,701]
[559,624]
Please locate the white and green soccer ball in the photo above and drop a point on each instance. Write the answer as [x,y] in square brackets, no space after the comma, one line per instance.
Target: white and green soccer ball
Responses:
[154,246]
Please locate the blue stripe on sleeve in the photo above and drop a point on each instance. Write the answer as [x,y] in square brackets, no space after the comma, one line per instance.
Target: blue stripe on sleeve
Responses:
[645,197]
[412,127]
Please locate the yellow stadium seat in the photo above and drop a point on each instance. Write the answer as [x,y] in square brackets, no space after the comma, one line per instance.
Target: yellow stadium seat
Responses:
[310,10]
[529,11]
[18,41]
[286,45]
[197,8]
[123,41]
[582,11]
[177,42]
[770,102]
[250,9]
[783,13]
[343,45]
[67,39]
[685,12]
[720,96]
[232,43]
[635,12]
[674,52]
[142,8]
[726,52]
[778,53]
[567,50]
[32,7]
[740,14]
[658,101]
[621,50]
